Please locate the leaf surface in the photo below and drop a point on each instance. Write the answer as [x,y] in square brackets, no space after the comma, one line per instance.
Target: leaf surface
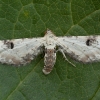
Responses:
[31,18]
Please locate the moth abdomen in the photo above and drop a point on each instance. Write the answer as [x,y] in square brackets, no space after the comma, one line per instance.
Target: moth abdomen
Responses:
[49,60]
[47,69]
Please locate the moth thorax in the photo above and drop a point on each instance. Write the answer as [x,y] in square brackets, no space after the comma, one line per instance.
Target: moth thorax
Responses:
[49,60]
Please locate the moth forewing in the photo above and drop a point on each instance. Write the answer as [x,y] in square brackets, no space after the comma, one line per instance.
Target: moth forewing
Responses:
[21,51]
[85,49]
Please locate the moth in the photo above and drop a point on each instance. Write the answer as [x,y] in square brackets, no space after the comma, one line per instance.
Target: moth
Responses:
[18,52]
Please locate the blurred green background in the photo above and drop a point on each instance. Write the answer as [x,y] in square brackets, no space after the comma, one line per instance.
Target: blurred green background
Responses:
[31,18]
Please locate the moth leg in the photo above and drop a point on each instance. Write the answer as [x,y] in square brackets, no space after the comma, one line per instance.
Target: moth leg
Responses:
[61,50]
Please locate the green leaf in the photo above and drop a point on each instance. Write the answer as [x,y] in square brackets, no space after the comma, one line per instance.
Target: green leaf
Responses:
[31,18]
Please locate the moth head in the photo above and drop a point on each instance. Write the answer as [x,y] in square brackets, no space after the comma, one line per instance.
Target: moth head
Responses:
[49,32]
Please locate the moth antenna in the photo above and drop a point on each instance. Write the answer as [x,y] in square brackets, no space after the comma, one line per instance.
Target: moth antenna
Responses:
[48,29]
[70,62]
[65,57]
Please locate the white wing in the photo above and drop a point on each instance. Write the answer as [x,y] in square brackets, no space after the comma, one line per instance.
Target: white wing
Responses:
[20,51]
[82,48]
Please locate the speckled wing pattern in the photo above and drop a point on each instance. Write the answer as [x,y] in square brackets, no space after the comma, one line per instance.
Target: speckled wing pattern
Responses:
[19,51]
[85,49]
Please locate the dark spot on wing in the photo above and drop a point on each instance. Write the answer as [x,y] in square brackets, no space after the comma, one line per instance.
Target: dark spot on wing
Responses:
[88,42]
[9,44]
[91,41]
[12,45]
